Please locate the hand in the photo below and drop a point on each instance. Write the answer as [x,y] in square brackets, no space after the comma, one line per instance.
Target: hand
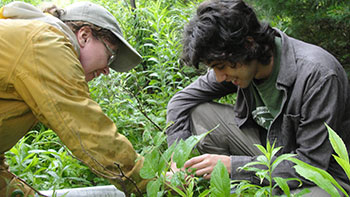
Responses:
[205,164]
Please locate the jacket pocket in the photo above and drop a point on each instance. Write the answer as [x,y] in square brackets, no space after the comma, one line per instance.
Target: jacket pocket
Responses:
[289,128]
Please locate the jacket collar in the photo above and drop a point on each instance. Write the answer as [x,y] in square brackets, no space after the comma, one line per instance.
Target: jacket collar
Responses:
[288,67]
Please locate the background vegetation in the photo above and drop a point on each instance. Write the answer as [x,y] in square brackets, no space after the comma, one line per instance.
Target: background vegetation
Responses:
[136,101]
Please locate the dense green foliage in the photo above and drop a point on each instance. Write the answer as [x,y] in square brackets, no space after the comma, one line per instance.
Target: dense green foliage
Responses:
[136,101]
[325,23]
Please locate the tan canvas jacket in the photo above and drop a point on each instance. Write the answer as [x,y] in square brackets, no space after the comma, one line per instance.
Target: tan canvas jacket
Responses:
[41,79]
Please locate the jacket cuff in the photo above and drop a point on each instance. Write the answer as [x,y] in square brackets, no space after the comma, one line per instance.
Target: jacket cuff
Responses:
[237,174]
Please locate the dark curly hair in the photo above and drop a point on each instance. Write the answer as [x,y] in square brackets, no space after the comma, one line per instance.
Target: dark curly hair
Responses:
[226,30]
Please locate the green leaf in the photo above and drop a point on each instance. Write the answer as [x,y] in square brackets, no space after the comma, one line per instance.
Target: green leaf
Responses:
[176,189]
[340,148]
[263,159]
[253,163]
[150,165]
[220,181]
[165,157]
[184,148]
[262,191]
[204,193]
[338,144]
[279,159]
[180,154]
[282,183]
[153,187]
[275,150]
[320,177]
[261,148]
[344,164]
[302,193]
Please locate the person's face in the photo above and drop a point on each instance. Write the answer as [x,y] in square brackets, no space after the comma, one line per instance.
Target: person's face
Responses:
[239,74]
[94,54]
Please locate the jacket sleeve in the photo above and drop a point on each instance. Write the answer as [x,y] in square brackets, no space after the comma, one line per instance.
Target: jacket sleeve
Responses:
[323,101]
[204,89]
[50,79]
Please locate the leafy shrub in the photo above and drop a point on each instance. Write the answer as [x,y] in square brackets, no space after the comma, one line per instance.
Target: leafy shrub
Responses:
[325,23]
[41,160]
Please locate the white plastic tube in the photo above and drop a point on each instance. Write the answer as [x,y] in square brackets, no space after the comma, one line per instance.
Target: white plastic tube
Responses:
[98,191]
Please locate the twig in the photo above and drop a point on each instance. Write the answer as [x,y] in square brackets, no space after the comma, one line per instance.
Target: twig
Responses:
[140,108]
[128,178]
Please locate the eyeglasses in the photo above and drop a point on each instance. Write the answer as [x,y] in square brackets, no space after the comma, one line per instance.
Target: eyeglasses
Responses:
[113,57]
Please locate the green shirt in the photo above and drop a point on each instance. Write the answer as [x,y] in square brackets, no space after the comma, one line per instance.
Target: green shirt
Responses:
[267,98]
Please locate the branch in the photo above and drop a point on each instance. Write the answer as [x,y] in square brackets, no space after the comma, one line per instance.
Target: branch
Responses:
[141,109]
[129,179]
[133,5]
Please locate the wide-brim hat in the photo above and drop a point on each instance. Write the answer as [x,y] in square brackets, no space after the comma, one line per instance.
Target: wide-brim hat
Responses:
[127,57]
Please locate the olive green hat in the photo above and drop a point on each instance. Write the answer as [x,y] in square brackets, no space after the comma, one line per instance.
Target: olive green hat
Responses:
[127,57]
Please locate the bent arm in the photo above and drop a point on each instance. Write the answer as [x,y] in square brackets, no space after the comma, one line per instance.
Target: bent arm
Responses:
[51,81]
[204,89]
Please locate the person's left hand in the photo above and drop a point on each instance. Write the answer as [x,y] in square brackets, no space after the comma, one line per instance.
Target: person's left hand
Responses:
[205,164]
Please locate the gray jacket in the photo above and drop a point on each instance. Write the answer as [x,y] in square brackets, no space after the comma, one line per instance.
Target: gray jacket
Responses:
[316,91]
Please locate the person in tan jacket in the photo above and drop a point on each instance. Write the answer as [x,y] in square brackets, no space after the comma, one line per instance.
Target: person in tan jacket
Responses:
[45,64]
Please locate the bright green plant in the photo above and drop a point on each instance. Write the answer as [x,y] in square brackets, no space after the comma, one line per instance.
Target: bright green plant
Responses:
[220,181]
[41,160]
[184,183]
[321,177]
[316,175]
[339,148]
[266,160]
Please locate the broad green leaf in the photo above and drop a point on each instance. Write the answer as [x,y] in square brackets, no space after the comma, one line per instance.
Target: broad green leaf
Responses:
[180,153]
[320,177]
[220,181]
[318,180]
[184,148]
[338,144]
[150,165]
[153,187]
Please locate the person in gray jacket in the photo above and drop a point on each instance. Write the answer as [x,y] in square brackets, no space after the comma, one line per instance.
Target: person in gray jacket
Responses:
[286,90]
